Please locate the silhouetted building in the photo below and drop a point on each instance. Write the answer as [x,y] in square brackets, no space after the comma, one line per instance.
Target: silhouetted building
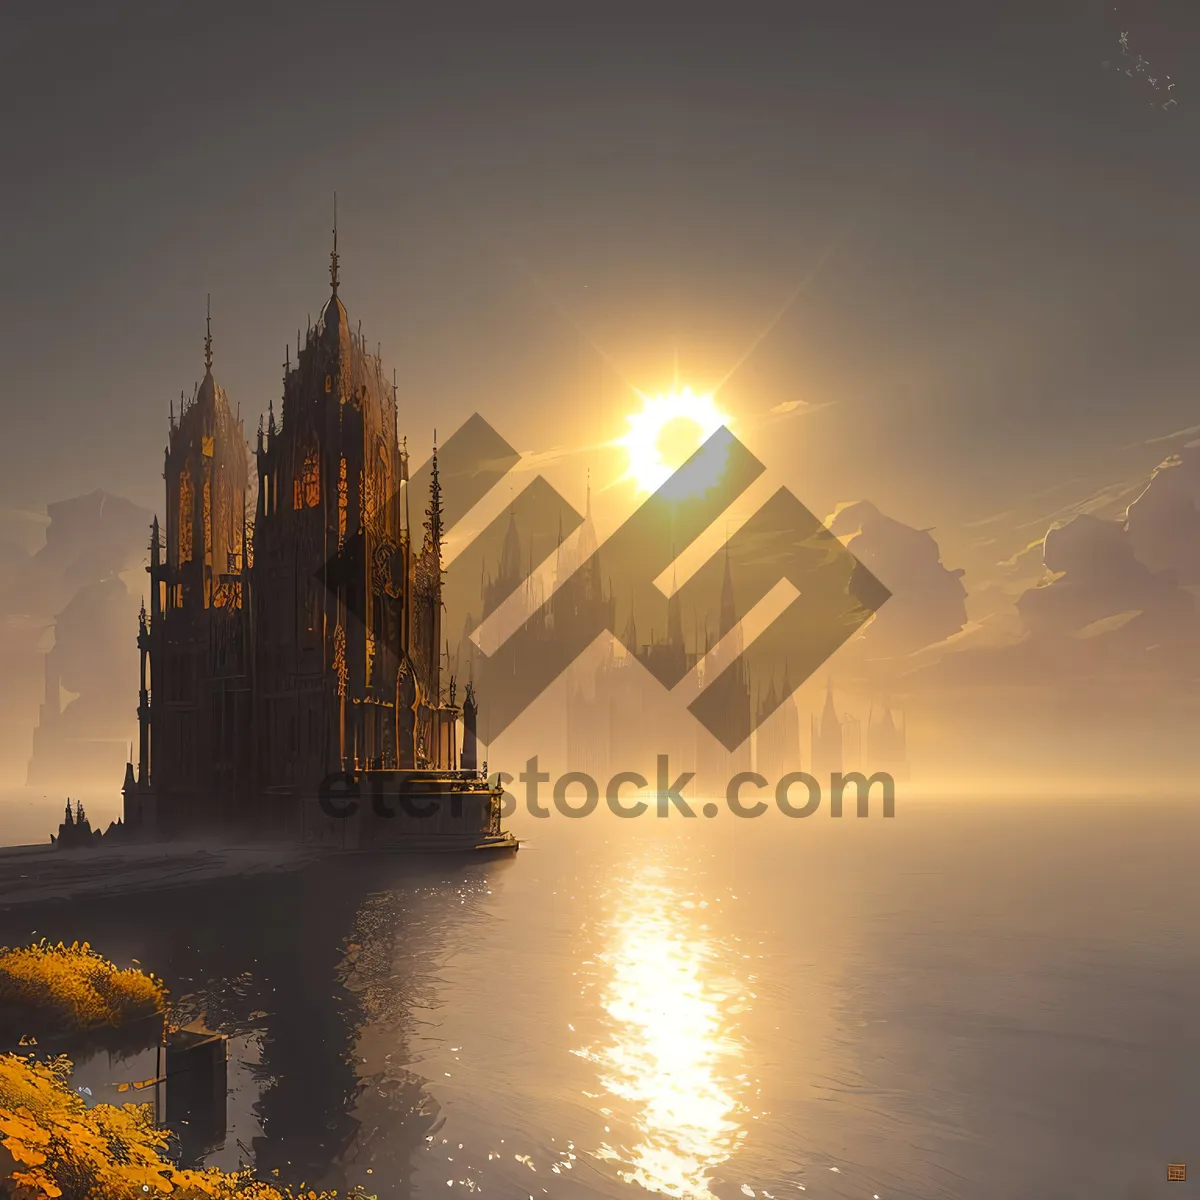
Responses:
[303,642]
[887,742]
[826,740]
[852,755]
[623,719]
[715,765]
[777,732]
[75,830]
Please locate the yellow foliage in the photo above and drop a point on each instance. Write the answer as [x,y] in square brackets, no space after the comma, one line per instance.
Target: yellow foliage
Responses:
[50,989]
[64,1150]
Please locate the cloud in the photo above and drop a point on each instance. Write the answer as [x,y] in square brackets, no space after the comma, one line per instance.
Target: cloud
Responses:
[1000,516]
[1019,556]
[1114,603]
[791,408]
[1108,497]
[1097,576]
[1163,437]
[1163,523]
[928,603]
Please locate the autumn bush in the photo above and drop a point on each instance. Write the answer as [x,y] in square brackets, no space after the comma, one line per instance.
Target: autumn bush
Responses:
[61,1149]
[48,989]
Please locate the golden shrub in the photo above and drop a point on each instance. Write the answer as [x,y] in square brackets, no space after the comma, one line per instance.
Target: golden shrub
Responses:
[47,989]
[64,1150]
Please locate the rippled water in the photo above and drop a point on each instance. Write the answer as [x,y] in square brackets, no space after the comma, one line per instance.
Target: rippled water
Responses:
[979,1000]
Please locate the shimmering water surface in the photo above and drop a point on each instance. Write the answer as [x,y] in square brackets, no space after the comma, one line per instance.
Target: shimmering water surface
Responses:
[975,1000]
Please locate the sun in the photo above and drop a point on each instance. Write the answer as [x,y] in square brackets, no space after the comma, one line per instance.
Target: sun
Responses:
[665,433]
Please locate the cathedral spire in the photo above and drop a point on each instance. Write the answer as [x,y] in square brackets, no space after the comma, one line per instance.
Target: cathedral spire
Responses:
[208,334]
[333,254]
[674,614]
[728,608]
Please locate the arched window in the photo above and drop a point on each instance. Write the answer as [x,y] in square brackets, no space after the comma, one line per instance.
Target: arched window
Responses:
[312,479]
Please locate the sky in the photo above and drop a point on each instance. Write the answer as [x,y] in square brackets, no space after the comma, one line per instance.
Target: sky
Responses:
[949,248]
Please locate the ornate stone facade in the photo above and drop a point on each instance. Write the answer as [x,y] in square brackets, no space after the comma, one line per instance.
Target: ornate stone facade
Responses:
[303,640]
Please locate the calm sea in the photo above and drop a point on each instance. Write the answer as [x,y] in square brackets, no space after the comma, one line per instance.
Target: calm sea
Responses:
[974,1000]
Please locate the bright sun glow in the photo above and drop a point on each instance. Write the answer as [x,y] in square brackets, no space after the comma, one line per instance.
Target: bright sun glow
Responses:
[664,434]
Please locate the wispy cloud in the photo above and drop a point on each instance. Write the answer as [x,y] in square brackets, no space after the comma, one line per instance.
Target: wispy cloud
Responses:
[1110,498]
[789,408]
[1014,560]
[1190,431]
[1011,512]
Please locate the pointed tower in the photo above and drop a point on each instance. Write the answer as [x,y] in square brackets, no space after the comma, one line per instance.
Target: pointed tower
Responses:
[193,714]
[207,475]
[330,559]
[629,636]
[729,616]
[826,740]
[674,615]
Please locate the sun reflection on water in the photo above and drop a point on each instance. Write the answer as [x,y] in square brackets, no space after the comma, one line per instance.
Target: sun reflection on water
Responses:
[672,1051]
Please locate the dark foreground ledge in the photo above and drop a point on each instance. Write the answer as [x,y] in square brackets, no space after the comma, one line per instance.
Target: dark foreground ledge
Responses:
[37,874]
[40,874]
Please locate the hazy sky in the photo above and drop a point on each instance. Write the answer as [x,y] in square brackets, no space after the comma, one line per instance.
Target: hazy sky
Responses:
[537,208]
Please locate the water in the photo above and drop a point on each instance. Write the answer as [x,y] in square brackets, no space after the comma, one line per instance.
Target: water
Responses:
[973,1000]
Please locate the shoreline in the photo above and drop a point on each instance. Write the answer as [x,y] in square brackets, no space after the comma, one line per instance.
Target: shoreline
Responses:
[36,874]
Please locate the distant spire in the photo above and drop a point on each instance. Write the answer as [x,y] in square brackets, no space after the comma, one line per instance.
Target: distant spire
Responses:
[674,614]
[630,635]
[728,608]
[333,254]
[208,335]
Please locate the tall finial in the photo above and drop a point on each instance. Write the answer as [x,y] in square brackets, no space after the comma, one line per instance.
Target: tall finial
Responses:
[433,525]
[208,336]
[333,255]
